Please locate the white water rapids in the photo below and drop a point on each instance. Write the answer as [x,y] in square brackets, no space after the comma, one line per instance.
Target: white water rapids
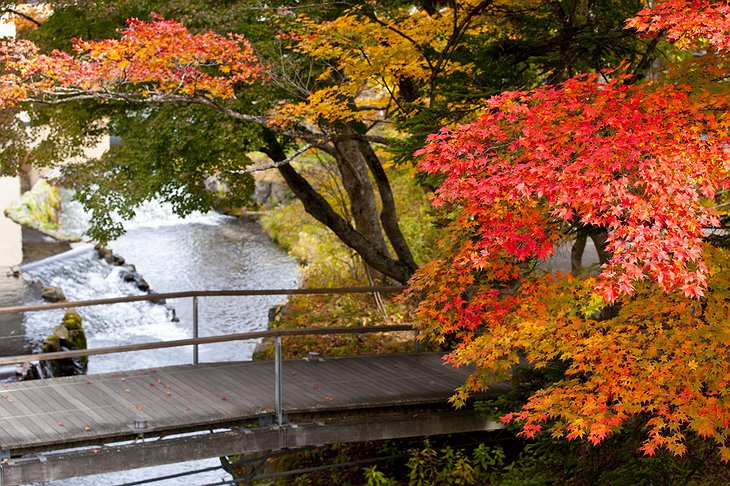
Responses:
[199,252]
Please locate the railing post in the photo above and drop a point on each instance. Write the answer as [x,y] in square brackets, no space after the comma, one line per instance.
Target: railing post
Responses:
[416,342]
[195,329]
[278,382]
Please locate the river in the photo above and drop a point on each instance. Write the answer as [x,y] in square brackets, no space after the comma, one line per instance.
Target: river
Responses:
[203,251]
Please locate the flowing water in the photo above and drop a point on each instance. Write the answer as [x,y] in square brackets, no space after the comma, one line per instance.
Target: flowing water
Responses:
[200,252]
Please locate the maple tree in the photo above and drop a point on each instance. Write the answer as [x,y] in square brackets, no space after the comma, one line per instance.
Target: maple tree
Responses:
[643,161]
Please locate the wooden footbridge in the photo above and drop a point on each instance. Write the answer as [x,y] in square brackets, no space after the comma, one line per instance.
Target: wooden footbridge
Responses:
[65,427]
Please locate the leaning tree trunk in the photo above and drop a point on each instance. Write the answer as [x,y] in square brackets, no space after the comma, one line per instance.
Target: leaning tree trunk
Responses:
[376,255]
[598,235]
[388,213]
[363,207]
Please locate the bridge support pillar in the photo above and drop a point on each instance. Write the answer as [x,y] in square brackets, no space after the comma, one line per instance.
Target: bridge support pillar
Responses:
[278,385]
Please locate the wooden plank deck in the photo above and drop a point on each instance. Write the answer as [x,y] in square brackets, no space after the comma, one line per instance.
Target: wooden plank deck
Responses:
[64,412]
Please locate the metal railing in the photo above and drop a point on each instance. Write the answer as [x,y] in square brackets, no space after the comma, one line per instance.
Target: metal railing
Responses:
[194,295]
[196,340]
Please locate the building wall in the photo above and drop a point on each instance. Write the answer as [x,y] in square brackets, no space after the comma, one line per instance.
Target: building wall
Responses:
[11,248]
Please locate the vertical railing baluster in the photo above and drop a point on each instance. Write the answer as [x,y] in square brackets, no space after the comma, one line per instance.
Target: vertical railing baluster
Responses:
[195,329]
[278,382]
[416,342]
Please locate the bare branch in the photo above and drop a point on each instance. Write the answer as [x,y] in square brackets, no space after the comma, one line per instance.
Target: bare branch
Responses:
[302,133]
[273,165]
[21,14]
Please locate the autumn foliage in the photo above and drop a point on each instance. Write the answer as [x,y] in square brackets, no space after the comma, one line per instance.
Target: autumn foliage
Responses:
[648,336]
[602,154]
[155,59]
[687,21]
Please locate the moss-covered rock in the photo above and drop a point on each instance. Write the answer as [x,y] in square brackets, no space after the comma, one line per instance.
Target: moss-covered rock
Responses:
[53,294]
[67,336]
[38,209]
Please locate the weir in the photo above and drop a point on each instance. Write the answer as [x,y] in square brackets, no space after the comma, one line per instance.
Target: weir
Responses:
[82,250]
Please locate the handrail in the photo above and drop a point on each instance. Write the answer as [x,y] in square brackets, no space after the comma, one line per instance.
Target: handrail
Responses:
[198,293]
[24,358]
[195,340]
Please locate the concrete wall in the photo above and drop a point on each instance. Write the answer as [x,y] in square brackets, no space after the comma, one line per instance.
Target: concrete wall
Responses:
[11,247]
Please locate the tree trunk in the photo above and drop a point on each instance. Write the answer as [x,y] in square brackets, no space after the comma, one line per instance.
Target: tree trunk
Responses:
[599,236]
[356,181]
[317,206]
[388,213]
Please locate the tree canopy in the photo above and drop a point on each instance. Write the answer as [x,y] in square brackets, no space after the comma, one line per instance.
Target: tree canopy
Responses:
[361,84]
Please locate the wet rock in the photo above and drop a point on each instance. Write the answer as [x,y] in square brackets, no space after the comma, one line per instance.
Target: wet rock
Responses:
[67,336]
[27,372]
[129,274]
[53,294]
[157,301]
[109,256]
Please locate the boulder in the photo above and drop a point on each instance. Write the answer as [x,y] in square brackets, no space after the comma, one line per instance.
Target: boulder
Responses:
[271,191]
[67,336]
[109,256]
[53,294]
[129,274]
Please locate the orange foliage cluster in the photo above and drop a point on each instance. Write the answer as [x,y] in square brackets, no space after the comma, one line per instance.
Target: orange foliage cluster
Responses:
[370,53]
[154,58]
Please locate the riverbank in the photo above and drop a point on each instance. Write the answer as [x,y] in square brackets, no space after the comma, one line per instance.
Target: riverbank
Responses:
[15,290]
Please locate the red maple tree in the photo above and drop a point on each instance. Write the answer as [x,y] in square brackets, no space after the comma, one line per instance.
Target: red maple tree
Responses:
[643,161]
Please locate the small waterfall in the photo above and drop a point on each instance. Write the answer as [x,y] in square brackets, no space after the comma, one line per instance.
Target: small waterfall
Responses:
[202,251]
[83,276]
